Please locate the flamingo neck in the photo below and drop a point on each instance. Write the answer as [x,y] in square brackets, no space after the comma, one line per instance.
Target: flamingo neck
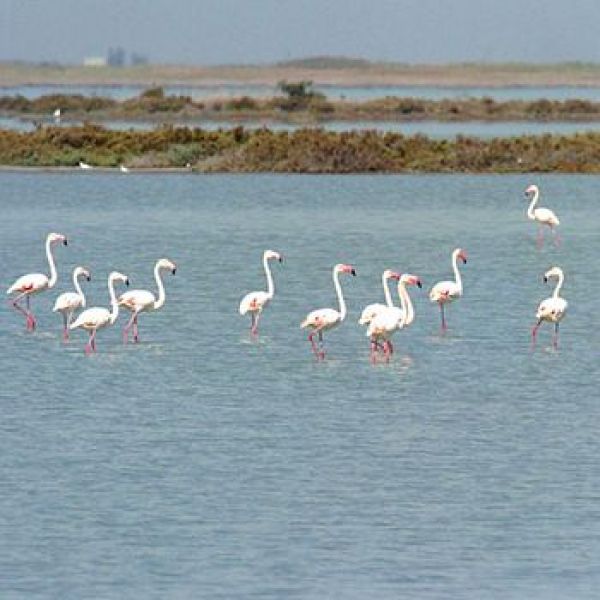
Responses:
[161,288]
[457,277]
[270,283]
[340,296]
[534,200]
[559,285]
[408,312]
[78,288]
[53,275]
[386,291]
[114,311]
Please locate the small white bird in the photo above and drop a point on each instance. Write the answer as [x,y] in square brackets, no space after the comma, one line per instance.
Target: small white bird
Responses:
[98,317]
[123,169]
[138,301]
[370,311]
[57,114]
[324,319]
[544,216]
[551,309]
[33,283]
[68,302]
[84,165]
[446,291]
[391,319]
[255,302]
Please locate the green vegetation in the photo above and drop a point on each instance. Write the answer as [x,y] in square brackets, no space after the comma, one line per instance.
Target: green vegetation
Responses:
[298,103]
[302,151]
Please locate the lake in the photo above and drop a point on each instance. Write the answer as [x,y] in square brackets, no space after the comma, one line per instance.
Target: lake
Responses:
[202,463]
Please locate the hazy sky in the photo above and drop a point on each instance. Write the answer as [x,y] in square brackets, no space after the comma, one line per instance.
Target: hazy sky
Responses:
[246,31]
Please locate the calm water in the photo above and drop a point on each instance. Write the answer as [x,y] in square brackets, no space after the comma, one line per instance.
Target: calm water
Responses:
[202,464]
[332,91]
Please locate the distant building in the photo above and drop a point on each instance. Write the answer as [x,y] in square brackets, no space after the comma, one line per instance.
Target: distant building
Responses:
[94,61]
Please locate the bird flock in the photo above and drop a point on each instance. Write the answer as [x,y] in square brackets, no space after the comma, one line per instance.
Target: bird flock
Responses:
[382,320]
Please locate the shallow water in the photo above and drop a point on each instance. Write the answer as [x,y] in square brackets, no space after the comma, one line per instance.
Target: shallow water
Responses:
[202,463]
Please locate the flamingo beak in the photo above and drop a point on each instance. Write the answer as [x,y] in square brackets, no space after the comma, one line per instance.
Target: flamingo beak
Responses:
[419,284]
[280,259]
[89,277]
[127,282]
[545,279]
[353,272]
[174,271]
[65,242]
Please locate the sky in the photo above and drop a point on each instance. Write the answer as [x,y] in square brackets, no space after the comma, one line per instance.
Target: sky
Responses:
[263,31]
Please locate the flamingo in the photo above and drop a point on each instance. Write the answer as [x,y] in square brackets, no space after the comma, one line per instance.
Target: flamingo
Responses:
[98,317]
[33,283]
[256,302]
[391,319]
[138,301]
[551,309]
[544,216]
[68,302]
[370,311]
[447,291]
[327,318]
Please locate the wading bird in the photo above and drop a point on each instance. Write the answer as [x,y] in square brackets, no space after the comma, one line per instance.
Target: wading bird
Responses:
[33,283]
[98,317]
[68,302]
[544,216]
[551,309]
[370,311]
[255,302]
[447,291]
[327,318]
[138,301]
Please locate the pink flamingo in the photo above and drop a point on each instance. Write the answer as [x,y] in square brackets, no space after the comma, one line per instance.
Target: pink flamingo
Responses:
[68,302]
[544,216]
[98,317]
[327,318]
[391,319]
[34,283]
[551,309]
[255,302]
[138,301]
[445,292]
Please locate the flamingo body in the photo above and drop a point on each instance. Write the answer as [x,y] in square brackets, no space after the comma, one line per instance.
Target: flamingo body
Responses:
[543,216]
[68,302]
[139,301]
[372,310]
[254,303]
[32,283]
[551,309]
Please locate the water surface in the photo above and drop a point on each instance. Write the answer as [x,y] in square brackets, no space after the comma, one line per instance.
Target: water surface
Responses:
[203,463]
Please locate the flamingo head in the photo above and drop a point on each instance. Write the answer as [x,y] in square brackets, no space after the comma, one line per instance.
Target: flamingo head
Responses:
[409,279]
[57,237]
[389,274]
[116,276]
[165,263]
[531,190]
[79,271]
[553,272]
[271,254]
[343,268]
[462,254]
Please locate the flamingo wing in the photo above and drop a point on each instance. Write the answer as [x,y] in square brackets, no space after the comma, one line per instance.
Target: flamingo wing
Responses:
[386,322]
[551,309]
[67,301]
[323,318]
[545,215]
[370,312]
[92,318]
[29,284]
[444,291]
[254,302]
[137,300]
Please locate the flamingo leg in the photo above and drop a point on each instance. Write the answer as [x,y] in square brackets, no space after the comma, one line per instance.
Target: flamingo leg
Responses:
[91,344]
[391,347]
[374,347]
[19,308]
[534,333]
[313,345]
[322,349]
[127,327]
[66,321]
[136,336]
[31,322]
[540,236]
[255,318]
[444,324]
[556,236]
[555,337]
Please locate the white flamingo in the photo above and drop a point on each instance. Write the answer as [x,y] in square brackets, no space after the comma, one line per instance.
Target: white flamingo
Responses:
[551,309]
[98,317]
[447,291]
[544,216]
[370,311]
[138,301]
[33,283]
[391,319]
[324,319]
[68,302]
[255,302]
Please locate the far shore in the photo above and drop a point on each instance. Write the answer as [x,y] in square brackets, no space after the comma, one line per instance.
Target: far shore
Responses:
[325,71]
